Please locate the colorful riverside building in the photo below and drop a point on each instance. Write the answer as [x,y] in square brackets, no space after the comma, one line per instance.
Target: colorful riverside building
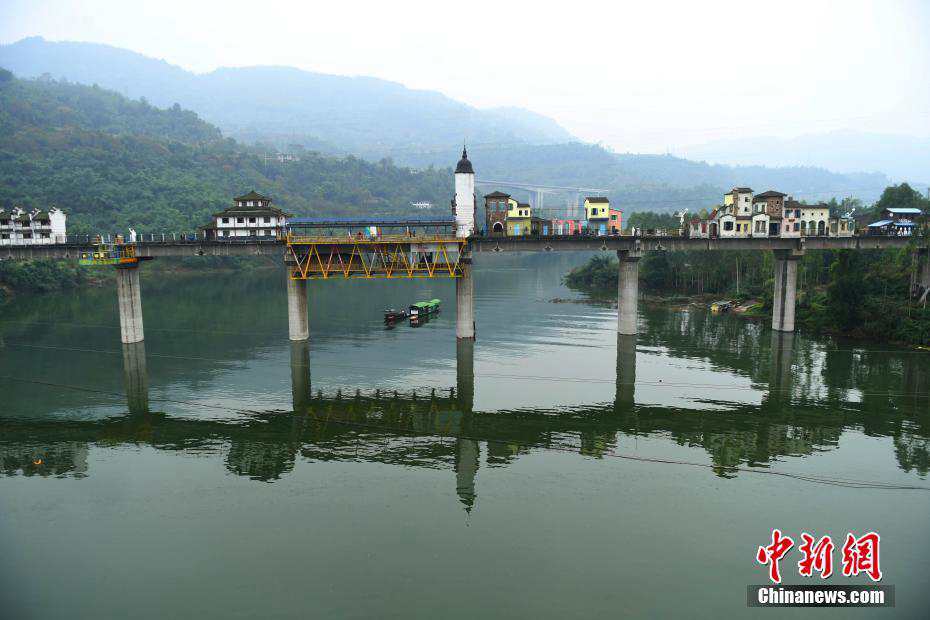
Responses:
[601,218]
[250,216]
[769,214]
[566,227]
[520,220]
[738,201]
[496,207]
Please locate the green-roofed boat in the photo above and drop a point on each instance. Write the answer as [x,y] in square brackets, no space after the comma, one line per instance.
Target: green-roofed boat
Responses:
[424,308]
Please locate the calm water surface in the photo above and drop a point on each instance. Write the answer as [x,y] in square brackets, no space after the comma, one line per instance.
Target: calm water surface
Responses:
[549,470]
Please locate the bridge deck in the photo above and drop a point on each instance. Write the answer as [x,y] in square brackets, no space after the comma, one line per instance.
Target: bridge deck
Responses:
[273,247]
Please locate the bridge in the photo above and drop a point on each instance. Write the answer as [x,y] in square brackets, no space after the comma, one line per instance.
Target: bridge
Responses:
[541,190]
[433,251]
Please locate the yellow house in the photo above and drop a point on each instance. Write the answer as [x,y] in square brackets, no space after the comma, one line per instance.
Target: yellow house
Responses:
[596,208]
[519,218]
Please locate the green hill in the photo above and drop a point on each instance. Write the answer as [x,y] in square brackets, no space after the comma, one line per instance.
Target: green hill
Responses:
[371,118]
[111,163]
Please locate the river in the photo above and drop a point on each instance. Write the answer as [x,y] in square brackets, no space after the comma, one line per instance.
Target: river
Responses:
[549,470]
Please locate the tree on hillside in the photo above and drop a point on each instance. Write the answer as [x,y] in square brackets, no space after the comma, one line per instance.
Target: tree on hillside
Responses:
[650,219]
[901,196]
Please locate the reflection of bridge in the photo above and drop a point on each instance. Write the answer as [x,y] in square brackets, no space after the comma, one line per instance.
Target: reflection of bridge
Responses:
[441,429]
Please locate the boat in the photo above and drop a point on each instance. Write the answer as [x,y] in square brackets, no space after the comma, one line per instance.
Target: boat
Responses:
[424,308]
[721,306]
[392,315]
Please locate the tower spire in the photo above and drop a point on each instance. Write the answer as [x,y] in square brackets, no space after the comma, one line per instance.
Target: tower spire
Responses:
[464,166]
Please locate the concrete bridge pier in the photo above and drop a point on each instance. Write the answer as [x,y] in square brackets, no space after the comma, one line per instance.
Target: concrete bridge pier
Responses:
[465,303]
[628,291]
[467,458]
[300,374]
[135,378]
[129,298]
[626,372]
[785,294]
[780,376]
[298,313]
[465,374]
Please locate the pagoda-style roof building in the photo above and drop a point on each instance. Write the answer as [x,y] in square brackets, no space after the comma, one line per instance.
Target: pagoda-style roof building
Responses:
[251,204]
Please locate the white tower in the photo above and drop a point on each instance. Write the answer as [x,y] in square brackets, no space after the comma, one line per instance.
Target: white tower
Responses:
[464,205]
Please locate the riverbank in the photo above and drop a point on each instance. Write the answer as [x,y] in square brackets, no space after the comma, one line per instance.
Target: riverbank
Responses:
[22,279]
[857,295]
[751,309]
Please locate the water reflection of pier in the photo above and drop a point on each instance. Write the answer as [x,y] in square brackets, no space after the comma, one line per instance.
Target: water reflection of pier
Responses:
[440,429]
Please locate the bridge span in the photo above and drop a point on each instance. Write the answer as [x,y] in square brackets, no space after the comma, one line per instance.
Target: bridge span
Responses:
[535,243]
[348,256]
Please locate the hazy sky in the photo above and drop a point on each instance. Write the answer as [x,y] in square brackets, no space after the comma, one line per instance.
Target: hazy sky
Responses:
[637,76]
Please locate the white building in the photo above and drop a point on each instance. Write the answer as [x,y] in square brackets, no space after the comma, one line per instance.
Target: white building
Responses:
[740,199]
[250,216]
[760,221]
[731,225]
[842,226]
[815,220]
[699,228]
[19,227]
[463,206]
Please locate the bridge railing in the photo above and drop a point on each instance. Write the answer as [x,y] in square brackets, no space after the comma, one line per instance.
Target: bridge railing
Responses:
[181,238]
[165,238]
[368,239]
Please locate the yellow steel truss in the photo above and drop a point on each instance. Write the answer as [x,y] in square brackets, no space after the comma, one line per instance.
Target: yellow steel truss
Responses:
[312,258]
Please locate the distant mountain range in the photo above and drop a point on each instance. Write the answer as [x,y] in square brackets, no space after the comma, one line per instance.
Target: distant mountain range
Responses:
[336,115]
[340,114]
[903,158]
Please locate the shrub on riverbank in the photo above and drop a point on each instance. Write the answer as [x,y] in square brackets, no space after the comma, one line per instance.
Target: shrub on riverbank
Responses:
[862,294]
[37,277]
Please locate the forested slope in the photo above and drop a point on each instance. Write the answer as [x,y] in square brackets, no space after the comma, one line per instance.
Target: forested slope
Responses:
[110,163]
